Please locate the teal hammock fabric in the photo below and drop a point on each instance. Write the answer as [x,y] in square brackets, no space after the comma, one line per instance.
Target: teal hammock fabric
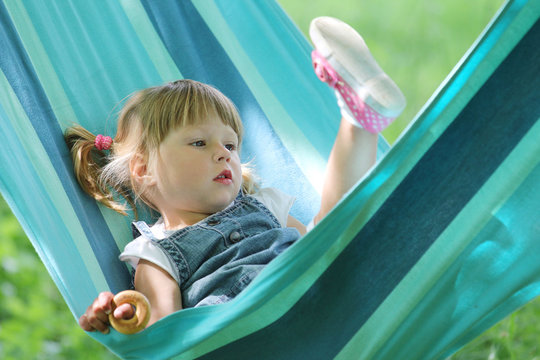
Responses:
[432,247]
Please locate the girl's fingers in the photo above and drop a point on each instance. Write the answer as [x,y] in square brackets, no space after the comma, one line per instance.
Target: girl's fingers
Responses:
[99,325]
[96,316]
[92,323]
[84,324]
[124,311]
[103,303]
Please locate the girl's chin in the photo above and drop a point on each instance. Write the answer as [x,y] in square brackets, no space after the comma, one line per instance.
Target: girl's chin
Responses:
[220,203]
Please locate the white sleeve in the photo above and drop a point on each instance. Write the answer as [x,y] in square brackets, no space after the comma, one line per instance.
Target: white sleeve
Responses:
[144,248]
[311,225]
[277,202]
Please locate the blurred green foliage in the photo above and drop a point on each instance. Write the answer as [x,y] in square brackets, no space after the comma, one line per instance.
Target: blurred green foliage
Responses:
[416,42]
[35,322]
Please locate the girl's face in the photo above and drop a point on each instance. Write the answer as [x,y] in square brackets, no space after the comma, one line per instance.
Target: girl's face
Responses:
[198,172]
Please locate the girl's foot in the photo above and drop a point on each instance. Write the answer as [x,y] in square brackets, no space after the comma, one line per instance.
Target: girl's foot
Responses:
[366,95]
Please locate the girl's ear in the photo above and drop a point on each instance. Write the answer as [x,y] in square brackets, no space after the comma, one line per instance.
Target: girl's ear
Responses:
[138,167]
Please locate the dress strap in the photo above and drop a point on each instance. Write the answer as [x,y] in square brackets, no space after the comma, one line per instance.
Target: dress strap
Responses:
[240,195]
[143,229]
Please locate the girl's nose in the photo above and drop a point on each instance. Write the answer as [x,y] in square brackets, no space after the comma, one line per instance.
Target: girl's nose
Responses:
[222,154]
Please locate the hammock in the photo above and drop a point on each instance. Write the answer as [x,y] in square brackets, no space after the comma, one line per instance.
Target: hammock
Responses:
[432,247]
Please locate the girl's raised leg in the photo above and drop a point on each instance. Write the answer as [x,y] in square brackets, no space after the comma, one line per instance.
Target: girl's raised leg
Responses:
[369,101]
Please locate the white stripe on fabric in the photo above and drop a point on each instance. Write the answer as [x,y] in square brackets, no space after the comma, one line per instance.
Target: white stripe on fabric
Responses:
[42,65]
[446,249]
[151,41]
[300,148]
[26,141]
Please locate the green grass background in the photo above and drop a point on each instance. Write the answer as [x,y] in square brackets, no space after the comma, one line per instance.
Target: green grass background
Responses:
[416,42]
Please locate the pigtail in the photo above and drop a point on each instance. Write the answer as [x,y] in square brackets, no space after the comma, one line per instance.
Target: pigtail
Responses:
[250,182]
[88,164]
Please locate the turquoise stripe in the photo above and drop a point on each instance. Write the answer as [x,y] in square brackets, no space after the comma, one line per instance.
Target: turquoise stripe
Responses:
[19,72]
[105,69]
[436,197]
[306,154]
[451,97]
[374,335]
[45,212]
[285,63]
[498,271]
[287,104]
[200,56]
[155,48]
[275,292]
[143,65]
[44,70]
[444,264]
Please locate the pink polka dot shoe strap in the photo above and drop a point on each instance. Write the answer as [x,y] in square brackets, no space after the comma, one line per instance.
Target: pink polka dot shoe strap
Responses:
[365,116]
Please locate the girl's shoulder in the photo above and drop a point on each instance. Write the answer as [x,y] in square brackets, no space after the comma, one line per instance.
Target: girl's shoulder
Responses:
[145,247]
[276,201]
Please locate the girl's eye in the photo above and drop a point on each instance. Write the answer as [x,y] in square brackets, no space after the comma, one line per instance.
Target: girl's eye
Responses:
[230,147]
[198,143]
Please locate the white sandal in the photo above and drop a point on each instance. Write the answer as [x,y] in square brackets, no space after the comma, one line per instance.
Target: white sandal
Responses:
[343,60]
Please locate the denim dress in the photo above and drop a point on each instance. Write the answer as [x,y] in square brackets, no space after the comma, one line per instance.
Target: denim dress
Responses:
[219,256]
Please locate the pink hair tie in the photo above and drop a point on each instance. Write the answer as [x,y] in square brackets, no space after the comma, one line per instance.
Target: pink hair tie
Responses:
[103,142]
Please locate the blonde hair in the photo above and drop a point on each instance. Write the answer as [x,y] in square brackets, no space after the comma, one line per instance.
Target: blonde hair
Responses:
[144,122]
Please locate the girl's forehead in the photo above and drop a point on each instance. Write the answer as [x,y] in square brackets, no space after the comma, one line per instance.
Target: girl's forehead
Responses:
[207,126]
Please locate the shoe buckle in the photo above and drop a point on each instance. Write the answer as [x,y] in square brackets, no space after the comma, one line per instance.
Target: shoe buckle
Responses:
[324,70]
[362,113]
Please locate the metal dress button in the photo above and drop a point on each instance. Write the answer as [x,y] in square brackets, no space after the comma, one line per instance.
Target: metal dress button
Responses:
[235,236]
[213,221]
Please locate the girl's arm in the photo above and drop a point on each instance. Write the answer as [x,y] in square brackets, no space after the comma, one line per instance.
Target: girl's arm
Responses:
[295,223]
[156,284]
[353,154]
[160,288]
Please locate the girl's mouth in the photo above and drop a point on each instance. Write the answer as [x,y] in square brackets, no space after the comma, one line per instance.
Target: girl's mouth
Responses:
[225,177]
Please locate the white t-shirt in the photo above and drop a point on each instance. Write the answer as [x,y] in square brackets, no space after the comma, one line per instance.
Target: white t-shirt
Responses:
[143,248]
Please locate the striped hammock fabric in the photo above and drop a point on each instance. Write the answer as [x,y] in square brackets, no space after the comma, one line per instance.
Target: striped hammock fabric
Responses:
[432,247]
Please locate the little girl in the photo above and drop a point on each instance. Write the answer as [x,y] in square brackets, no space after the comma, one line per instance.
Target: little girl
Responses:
[177,149]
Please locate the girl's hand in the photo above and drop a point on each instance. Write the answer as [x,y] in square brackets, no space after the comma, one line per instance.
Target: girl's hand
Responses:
[96,316]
